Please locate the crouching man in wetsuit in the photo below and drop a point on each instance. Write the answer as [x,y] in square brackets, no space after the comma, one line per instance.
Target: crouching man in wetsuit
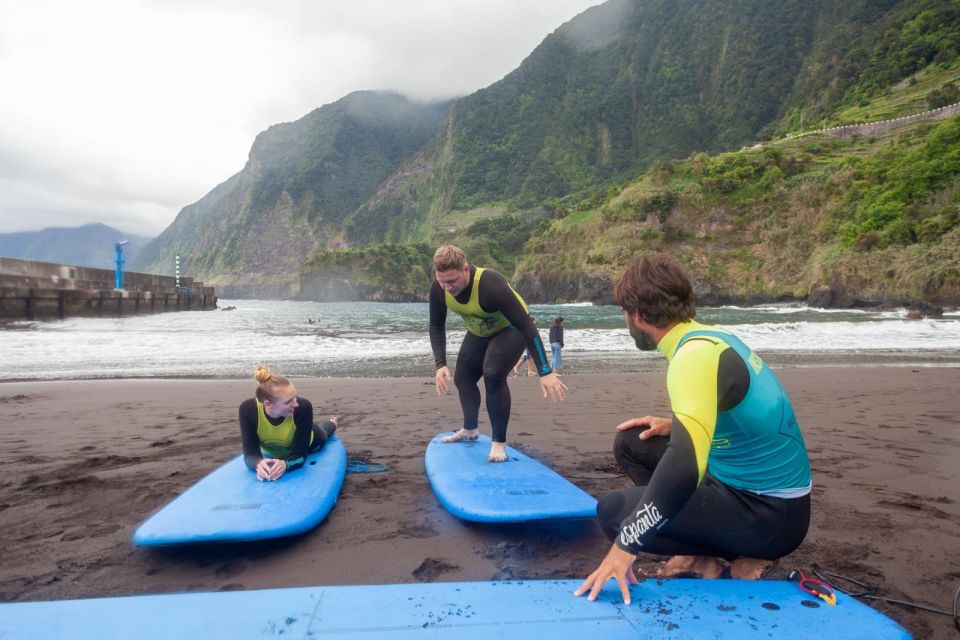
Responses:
[727,476]
[498,327]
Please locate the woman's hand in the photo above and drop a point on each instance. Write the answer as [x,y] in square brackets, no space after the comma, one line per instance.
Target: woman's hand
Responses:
[654,426]
[269,469]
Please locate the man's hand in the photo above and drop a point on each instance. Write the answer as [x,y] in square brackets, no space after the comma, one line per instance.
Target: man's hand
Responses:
[653,425]
[551,385]
[617,564]
[441,377]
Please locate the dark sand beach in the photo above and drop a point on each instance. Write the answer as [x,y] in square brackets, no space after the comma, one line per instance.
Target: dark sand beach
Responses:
[85,462]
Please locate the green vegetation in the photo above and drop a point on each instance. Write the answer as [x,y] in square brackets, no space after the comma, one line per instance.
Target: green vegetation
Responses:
[497,243]
[302,181]
[895,194]
[385,271]
[637,126]
[867,60]
[777,221]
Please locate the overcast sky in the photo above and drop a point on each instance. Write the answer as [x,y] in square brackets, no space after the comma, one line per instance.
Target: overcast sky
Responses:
[124,111]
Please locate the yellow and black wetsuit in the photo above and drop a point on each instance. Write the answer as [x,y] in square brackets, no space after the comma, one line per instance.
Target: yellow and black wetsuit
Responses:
[498,327]
[289,439]
[733,479]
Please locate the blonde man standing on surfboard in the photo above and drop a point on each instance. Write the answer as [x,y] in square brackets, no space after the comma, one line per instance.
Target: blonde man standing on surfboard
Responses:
[498,328]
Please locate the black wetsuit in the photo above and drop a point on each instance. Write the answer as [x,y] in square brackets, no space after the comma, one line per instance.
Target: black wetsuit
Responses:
[491,357]
[308,436]
[733,478]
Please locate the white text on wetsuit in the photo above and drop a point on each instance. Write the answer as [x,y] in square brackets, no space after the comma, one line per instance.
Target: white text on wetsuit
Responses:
[645,519]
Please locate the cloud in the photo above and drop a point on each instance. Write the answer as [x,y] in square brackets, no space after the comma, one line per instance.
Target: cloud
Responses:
[124,111]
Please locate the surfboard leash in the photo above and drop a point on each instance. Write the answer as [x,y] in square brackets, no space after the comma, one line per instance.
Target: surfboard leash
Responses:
[871,593]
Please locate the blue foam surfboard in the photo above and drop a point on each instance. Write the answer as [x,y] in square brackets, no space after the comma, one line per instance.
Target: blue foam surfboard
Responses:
[675,609]
[231,505]
[518,490]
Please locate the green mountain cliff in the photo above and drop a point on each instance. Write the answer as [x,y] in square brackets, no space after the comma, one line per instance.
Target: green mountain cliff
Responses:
[250,234]
[636,126]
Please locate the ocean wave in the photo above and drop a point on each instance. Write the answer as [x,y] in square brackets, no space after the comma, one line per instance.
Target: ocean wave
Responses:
[379,338]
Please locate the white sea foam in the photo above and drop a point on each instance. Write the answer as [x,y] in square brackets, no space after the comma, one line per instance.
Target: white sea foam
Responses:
[303,338]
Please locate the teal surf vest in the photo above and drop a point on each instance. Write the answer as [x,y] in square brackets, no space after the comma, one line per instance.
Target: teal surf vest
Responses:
[757,445]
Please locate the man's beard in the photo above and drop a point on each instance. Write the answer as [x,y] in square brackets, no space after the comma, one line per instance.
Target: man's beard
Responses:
[642,339]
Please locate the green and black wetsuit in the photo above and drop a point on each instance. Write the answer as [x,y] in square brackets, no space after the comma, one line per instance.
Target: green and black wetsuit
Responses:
[498,327]
[733,478]
[289,439]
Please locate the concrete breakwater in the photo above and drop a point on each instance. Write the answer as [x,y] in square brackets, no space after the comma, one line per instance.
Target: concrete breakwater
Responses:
[32,290]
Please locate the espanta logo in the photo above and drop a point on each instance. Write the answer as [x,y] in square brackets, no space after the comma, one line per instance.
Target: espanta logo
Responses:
[644,520]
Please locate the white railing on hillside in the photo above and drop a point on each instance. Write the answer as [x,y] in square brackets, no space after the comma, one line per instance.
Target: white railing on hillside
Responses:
[880,126]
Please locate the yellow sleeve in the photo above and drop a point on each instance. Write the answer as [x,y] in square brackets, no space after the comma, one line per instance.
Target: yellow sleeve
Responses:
[692,387]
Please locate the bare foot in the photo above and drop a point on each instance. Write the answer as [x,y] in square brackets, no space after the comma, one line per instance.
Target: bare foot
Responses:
[691,567]
[751,568]
[463,434]
[498,452]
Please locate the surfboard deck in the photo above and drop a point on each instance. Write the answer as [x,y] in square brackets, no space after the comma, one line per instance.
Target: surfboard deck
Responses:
[674,609]
[518,490]
[231,505]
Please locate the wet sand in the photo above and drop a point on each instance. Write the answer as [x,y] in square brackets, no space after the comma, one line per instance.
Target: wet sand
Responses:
[86,461]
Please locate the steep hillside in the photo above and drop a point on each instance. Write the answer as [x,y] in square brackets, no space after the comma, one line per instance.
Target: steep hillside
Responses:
[249,235]
[570,164]
[90,245]
[862,50]
[853,221]
[620,86]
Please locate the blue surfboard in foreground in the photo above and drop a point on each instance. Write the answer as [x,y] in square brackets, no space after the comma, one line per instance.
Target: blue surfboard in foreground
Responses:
[675,609]
[518,490]
[231,505]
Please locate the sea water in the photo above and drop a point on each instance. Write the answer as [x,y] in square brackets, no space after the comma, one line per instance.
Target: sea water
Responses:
[368,339]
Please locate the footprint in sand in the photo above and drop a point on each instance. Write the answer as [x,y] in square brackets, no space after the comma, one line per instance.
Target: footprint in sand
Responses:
[507,573]
[231,569]
[89,531]
[414,530]
[432,568]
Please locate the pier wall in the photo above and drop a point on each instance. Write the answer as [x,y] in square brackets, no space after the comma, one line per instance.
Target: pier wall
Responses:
[32,290]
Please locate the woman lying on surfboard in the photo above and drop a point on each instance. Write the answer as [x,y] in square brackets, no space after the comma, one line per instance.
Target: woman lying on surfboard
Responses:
[277,427]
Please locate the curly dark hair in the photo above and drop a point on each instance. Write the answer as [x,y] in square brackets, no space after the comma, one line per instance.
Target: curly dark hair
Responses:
[657,288]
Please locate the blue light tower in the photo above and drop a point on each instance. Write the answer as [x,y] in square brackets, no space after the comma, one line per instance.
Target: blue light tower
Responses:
[119,276]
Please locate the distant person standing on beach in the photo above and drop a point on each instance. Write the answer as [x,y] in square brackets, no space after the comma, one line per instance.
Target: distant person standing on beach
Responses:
[556,343]
[727,475]
[277,427]
[498,326]
[525,357]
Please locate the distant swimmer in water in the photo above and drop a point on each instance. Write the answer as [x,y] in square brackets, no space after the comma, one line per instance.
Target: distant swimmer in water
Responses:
[498,327]
[277,427]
